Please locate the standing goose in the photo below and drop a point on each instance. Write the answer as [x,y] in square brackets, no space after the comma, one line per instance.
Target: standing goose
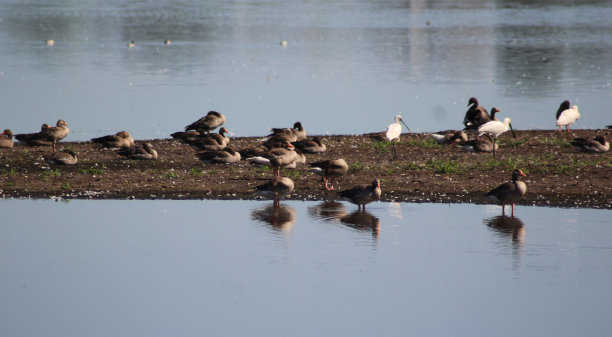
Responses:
[296,133]
[362,195]
[496,128]
[146,152]
[276,188]
[567,115]
[211,121]
[36,138]
[65,157]
[120,140]
[509,192]
[314,145]
[6,138]
[476,115]
[598,144]
[225,156]
[330,170]
[57,133]
[277,157]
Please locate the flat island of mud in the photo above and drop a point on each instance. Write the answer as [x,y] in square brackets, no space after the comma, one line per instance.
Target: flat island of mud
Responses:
[424,171]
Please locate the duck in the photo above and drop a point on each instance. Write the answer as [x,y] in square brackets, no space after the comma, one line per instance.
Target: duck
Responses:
[509,192]
[120,140]
[211,121]
[36,138]
[566,115]
[57,133]
[480,144]
[296,133]
[476,115]
[312,146]
[225,156]
[363,194]
[599,144]
[496,128]
[330,170]
[449,136]
[65,157]
[6,138]
[145,152]
[276,188]
[277,157]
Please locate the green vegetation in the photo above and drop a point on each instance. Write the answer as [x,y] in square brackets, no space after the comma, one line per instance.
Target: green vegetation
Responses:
[355,167]
[383,146]
[443,166]
[427,143]
[10,172]
[65,186]
[171,174]
[196,172]
[93,170]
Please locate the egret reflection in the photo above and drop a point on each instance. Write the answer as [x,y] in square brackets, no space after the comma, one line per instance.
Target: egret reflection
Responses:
[281,217]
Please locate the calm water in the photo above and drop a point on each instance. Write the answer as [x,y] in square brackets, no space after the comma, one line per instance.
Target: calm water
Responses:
[348,67]
[240,268]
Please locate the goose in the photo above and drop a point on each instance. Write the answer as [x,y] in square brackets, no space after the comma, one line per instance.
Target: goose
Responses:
[65,157]
[509,192]
[599,144]
[313,146]
[277,157]
[276,188]
[362,195]
[121,139]
[211,121]
[6,138]
[449,136]
[476,115]
[145,152]
[296,133]
[566,115]
[35,139]
[480,144]
[330,170]
[225,156]
[57,133]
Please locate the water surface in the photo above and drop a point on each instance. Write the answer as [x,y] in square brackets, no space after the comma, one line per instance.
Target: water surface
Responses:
[235,268]
[348,67]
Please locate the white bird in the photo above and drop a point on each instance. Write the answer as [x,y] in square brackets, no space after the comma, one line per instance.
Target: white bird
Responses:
[567,115]
[495,128]
[394,130]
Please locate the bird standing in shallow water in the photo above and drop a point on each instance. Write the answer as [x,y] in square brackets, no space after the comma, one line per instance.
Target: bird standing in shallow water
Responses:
[509,192]
[566,115]
[364,194]
[276,188]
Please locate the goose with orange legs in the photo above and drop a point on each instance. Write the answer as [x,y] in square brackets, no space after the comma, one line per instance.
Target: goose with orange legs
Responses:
[276,188]
[277,157]
[330,170]
[57,133]
[362,195]
[509,192]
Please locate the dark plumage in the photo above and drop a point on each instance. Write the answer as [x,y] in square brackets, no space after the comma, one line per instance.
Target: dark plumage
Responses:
[121,139]
[509,192]
[211,121]
[364,194]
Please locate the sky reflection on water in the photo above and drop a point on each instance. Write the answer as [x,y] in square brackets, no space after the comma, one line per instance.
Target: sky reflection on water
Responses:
[156,268]
[348,67]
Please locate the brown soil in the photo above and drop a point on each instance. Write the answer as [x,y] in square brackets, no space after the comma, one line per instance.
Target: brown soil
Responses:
[557,174]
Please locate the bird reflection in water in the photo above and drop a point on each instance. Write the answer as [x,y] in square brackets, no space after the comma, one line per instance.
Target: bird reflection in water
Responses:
[336,211]
[508,226]
[279,217]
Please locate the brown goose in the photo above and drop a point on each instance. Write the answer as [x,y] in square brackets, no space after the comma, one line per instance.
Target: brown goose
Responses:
[212,141]
[211,121]
[275,141]
[225,156]
[314,145]
[449,136]
[364,194]
[139,153]
[509,192]
[330,170]
[476,115]
[480,144]
[36,138]
[276,188]
[120,140]
[6,138]
[294,134]
[57,133]
[277,158]
[65,157]
[599,144]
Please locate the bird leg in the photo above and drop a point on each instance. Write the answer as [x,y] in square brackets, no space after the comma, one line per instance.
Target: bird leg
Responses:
[513,210]
[327,188]
[276,203]
[393,148]
[53,143]
[503,209]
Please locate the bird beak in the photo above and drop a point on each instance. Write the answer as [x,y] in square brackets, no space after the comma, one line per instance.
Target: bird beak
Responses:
[513,134]
[401,120]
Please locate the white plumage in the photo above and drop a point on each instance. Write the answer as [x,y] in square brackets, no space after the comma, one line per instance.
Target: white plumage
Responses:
[567,117]
[495,128]
[394,130]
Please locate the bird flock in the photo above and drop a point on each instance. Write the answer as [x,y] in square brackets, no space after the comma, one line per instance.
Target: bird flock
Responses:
[285,148]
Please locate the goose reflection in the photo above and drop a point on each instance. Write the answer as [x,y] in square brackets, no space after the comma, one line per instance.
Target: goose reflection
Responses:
[508,226]
[279,217]
[362,220]
[327,210]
